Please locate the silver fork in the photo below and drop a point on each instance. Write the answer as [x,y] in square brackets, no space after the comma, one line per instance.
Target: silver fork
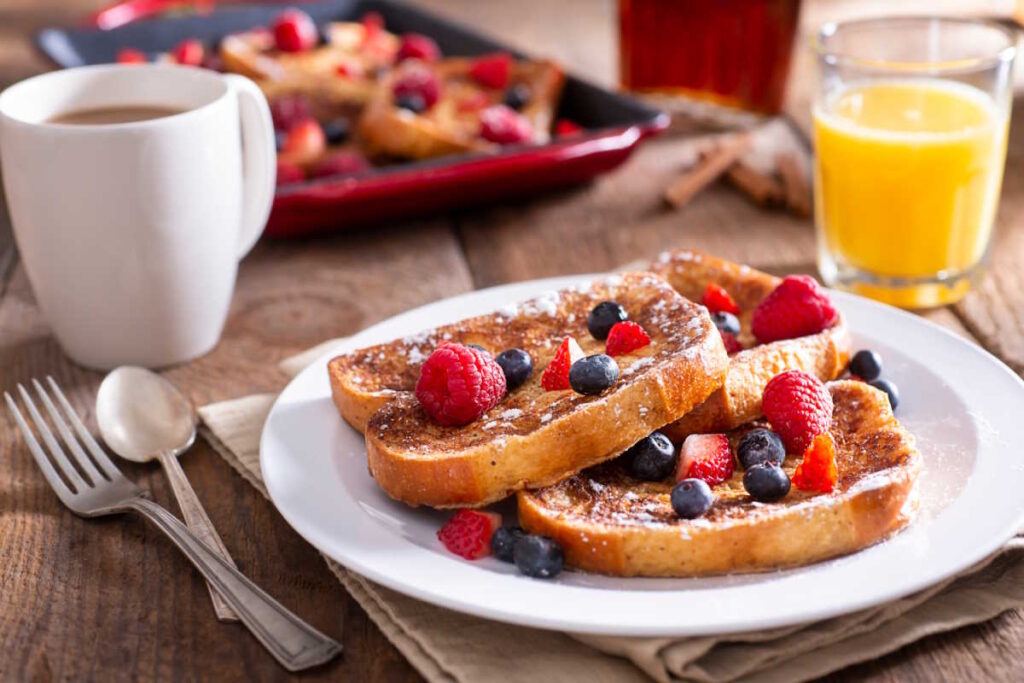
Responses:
[95,487]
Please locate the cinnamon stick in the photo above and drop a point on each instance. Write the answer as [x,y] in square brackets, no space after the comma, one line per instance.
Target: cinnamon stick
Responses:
[763,188]
[711,165]
[797,189]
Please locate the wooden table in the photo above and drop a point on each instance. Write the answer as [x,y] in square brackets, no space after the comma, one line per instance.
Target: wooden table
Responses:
[113,599]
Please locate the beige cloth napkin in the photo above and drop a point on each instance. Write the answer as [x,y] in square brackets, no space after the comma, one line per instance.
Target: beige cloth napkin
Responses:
[448,646]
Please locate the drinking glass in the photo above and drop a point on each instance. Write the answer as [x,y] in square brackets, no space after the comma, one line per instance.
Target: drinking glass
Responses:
[910,125]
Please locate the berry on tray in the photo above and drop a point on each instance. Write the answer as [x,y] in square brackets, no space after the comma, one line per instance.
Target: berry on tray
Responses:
[798,407]
[518,96]
[492,71]
[890,390]
[653,458]
[796,308]
[556,374]
[188,52]
[717,300]
[538,556]
[503,542]
[458,384]
[288,172]
[504,126]
[411,101]
[603,316]
[336,131]
[759,446]
[127,55]
[304,144]
[418,46]
[818,472]
[289,111]
[419,80]
[691,498]
[344,162]
[468,533]
[517,366]
[593,374]
[294,31]
[866,364]
[726,322]
[732,344]
[766,482]
[565,128]
[707,457]
[626,337]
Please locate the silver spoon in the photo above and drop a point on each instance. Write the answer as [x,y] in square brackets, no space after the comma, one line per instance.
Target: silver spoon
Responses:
[143,417]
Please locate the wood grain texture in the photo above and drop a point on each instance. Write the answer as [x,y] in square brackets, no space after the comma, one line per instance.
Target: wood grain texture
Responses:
[112,600]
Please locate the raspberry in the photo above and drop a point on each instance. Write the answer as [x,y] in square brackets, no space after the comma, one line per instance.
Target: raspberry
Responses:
[289,111]
[798,406]
[419,80]
[732,344]
[294,31]
[556,374]
[707,457]
[626,337]
[716,299]
[129,56]
[458,384]
[188,52]
[288,172]
[817,472]
[565,128]
[468,533]
[340,163]
[504,125]
[796,308]
[492,71]
[418,46]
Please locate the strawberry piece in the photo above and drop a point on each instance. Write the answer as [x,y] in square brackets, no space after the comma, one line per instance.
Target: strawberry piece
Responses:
[492,71]
[565,128]
[796,308]
[373,25]
[818,472]
[732,344]
[626,337]
[345,162]
[417,79]
[304,144]
[188,52]
[707,457]
[458,384]
[294,31]
[798,406]
[128,55]
[504,125]
[717,300]
[556,374]
[352,70]
[468,533]
[288,172]
[418,46]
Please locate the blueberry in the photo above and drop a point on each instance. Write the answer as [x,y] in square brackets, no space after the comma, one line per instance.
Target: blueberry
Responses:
[890,389]
[603,316]
[593,374]
[517,96]
[411,101]
[726,322]
[517,366]
[325,33]
[867,365]
[538,556]
[766,483]
[336,131]
[503,542]
[691,498]
[759,446]
[652,458]
[279,139]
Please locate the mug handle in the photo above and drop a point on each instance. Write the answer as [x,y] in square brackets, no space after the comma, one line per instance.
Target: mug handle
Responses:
[259,160]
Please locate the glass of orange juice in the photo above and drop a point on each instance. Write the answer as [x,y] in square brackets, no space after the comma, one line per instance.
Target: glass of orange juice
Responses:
[910,127]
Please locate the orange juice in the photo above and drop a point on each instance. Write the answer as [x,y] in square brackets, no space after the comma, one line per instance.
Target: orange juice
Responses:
[907,179]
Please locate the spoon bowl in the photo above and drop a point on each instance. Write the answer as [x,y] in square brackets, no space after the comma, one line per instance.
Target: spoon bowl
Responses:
[140,415]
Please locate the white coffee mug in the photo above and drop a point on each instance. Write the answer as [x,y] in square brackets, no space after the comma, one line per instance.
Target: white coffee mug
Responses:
[131,233]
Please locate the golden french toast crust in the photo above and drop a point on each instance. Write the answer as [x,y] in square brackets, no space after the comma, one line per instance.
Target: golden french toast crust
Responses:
[609,523]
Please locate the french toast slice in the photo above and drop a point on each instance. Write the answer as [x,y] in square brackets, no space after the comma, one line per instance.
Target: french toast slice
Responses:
[450,126]
[823,355]
[533,437]
[609,523]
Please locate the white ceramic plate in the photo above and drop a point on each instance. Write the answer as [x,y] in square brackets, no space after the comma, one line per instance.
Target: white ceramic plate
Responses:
[965,407]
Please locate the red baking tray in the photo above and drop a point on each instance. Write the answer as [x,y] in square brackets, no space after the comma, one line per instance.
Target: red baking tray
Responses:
[613,124]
